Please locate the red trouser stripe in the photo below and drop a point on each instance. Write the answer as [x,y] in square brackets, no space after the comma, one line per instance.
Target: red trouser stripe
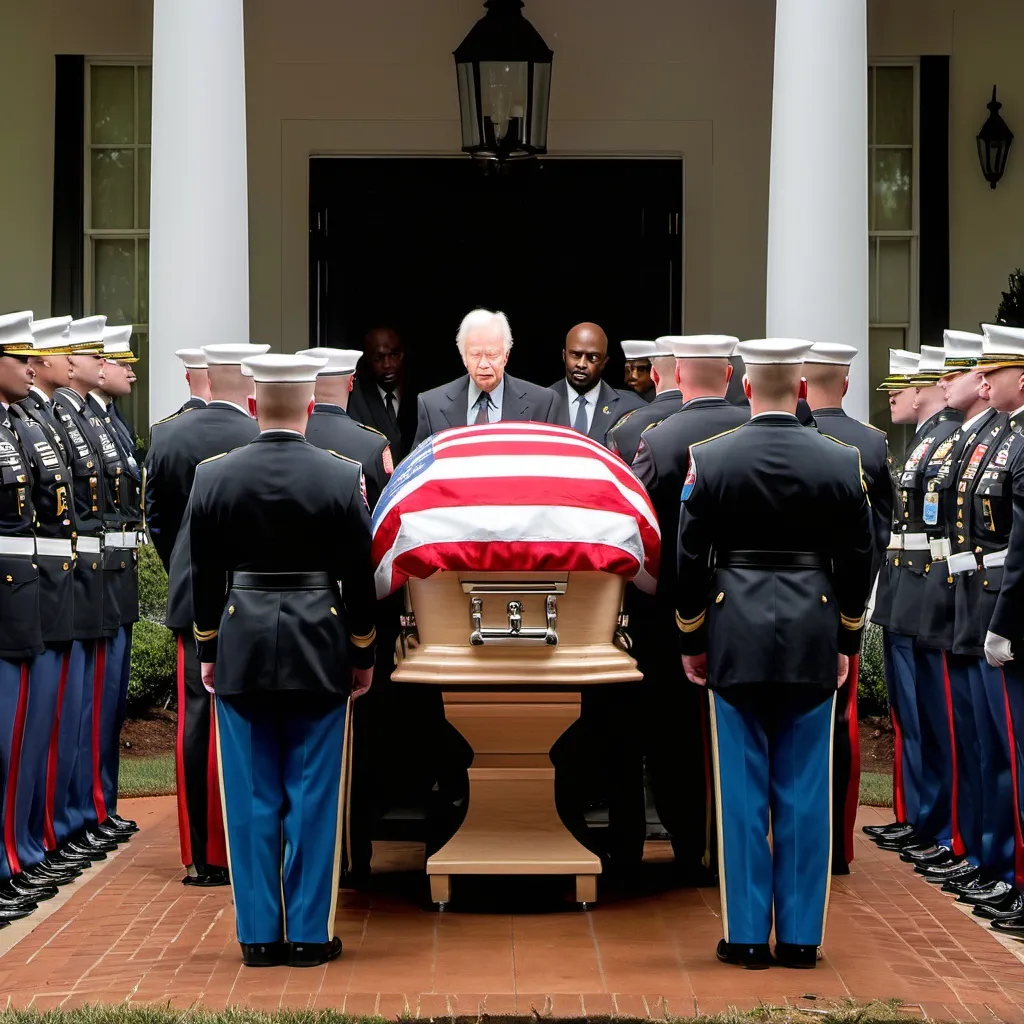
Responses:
[899,801]
[959,846]
[1018,844]
[853,786]
[216,846]
[97,717]
[11,795]
[49,836]
[184,826]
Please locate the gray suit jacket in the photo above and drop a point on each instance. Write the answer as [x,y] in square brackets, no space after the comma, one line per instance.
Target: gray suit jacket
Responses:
[447,405]
[611,406]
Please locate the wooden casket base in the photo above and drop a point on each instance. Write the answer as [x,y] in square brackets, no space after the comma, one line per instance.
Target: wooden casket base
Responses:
[511,703]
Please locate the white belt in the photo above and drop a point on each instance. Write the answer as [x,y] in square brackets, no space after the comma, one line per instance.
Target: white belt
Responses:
[18,546]
[962,561]
[122,540]
[895,542]
[940,549]
[53,548]
[916,542]
[89,545]
[994,560]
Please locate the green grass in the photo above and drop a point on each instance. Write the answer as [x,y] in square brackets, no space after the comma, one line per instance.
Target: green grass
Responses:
[147,776]
[846,1012]
[875,789]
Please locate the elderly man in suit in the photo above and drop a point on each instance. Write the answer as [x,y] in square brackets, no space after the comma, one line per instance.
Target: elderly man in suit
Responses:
[486,394]
[584,400]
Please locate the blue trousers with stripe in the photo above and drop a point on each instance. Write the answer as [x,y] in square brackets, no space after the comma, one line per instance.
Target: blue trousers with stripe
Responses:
[1013,678]
[970,786]
[901,683]
[115,697]
[281,766]
[82,796]
[68,817]
[935,798]
[773,770]
[13,706]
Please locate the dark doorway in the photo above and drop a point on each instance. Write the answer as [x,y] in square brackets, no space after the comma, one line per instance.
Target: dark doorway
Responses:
[418,243]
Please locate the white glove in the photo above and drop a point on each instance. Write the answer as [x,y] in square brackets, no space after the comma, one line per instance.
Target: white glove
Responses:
[997,650]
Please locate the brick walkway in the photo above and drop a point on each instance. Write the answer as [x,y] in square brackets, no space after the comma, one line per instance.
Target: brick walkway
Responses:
[132,932]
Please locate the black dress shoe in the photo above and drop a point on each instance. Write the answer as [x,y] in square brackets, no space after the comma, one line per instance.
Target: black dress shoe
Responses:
[80,849]
[984,893]
[106,835]
[1011,926]
[9,901]
[961,870]
[313,954]
[1010,905]
[931,855]
[799,957]
[123,823]
[208,878]
[900,843]
[35,891]
[264,954]
[97,842]
[896,836]
[50,876]
[884,830]
[8,915]
[58,858]
[757,957]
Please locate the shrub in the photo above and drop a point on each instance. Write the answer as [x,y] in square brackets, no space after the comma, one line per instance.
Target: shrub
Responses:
[154,665]
[872,697]
[152,584]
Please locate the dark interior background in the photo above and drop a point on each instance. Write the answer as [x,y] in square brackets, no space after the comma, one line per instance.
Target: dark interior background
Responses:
[418,243]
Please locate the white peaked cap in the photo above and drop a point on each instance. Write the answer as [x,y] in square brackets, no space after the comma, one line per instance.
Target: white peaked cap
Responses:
[903,363]
[52,333]
[639,349]
[193,358]
[117,342]
[773,351]
[280,369]
[15,331]
[1001,340]
[962,349]
[87,332]
[339,360]
[232,355]
[933,359]
[701,346]
[830,353]
[117,334]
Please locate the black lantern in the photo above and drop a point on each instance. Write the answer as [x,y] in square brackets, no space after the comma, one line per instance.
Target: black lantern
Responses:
[504,72]
[994,143]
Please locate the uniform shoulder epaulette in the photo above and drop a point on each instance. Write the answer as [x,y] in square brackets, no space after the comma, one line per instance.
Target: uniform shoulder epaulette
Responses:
[213,458]
[656,423]
[724,433]
[344,458]
[167,419]
[622,419]
[877,430]
[373,430]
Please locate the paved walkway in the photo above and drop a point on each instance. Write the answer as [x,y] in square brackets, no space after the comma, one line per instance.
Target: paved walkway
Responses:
[130,931]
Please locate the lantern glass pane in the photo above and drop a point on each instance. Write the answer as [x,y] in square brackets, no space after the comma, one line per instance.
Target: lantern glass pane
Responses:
[467,106]
[894,106]
[893,269]
[503,95]
[892,196]
[539,110]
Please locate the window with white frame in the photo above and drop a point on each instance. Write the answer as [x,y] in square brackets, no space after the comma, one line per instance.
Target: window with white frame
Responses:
[118,102]
[893,227]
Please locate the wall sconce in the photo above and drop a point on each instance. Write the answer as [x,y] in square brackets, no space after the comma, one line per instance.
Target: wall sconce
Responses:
[994,141]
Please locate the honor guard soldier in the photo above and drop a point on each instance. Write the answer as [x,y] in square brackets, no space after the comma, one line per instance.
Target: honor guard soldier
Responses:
[182,444]
[22,885]
[826,370]
[775,547]
[285,636]
[332,428]
[198,379]
[637,373]
[50,482]
[676,748]
[624,437]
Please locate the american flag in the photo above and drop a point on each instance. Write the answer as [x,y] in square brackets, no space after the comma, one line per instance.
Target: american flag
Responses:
[513,496]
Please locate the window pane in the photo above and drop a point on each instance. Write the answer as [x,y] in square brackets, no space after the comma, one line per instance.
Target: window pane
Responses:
[871,106]
[114,279]
[113,188]
[112,102]
[145,103]
[893,280]
[892,190]
[143,316]
[872,281]
[894,106]
[144,166]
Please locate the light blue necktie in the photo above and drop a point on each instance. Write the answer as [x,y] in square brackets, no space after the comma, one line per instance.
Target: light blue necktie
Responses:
[581,414]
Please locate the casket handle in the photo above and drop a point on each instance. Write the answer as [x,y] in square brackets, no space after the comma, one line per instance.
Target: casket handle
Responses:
[516,632]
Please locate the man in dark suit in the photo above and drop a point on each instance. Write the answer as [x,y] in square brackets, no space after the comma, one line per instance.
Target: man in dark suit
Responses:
[381,397]
[486,394]
[584,401]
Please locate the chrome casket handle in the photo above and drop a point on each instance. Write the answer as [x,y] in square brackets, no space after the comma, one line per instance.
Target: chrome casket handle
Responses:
[516,633]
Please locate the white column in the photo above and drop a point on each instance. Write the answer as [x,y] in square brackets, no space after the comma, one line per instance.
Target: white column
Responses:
[199,228]
[818,203]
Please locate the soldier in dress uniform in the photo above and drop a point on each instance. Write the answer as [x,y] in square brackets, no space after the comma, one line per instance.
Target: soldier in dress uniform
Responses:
[679,763]
[1003,484]
[624,437]
[197,377]
[775,546]
[331,427]
[181,445]
[826,370]
[50,482]
[283,592]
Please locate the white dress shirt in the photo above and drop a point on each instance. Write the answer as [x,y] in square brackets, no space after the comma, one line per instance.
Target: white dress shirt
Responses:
[591,399]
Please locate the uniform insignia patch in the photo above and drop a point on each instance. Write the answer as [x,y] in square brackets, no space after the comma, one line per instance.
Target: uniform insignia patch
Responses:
[385,458]
[976,457]
[605,410]
[1002,457]
[944,449]
[931,508]
[691,479]
[917,454]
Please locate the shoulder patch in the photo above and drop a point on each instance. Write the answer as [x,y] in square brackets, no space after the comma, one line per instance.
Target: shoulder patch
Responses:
[691,478]
[212,458]
[387,461]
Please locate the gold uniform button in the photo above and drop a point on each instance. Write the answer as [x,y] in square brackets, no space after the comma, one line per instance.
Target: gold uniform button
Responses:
[95,566]
[334,611]
[231,610]
[123,565]
[720,598]
[824,599]
[949,579]
[65,566]
[10,579]
[984,583]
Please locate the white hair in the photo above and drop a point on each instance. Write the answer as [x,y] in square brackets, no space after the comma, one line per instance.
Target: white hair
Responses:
[483,318]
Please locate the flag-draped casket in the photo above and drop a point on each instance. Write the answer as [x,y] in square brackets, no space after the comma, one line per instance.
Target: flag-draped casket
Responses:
[516,541]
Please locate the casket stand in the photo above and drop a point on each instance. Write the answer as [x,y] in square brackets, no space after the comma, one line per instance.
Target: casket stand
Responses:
[512,652]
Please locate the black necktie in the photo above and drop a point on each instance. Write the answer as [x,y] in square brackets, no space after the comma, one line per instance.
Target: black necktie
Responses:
[389,403]
[483,403]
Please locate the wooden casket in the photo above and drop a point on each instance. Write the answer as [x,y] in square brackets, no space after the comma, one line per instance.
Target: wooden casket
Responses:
[512,652]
